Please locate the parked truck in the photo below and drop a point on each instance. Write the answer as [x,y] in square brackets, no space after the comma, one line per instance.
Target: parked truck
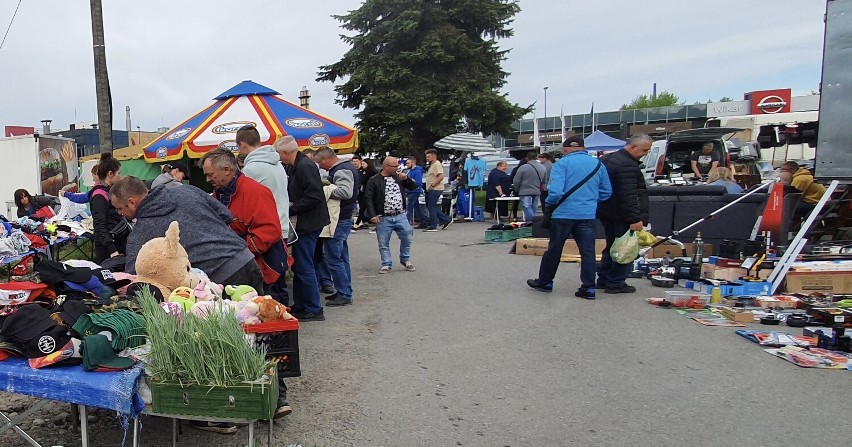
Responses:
[39,164]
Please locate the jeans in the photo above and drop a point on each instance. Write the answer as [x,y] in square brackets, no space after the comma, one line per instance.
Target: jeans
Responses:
[320,265]
[305,289]
[435,213]
[336,254]
[612,274]
[413,201]
[529,204]
[403,229]
[583,232]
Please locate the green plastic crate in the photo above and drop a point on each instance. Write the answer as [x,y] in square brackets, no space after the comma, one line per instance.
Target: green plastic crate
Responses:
[243,401]
[524,232]
[501,235]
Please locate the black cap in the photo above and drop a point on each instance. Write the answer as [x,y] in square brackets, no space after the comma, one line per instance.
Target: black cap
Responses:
[136,288]
[46,342]
[180,166]
[71,310]
[574,141]
[52,273]
[107,279]
[27,323]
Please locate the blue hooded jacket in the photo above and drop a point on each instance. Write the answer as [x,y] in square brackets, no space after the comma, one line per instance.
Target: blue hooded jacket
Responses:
[567,172]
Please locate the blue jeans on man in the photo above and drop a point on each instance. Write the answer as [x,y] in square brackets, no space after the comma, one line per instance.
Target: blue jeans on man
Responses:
[529,204]
[321,268]
[306,295]
[613,275]
[336,255]
[583,232]
[413,201]
[387,225]
[435,213]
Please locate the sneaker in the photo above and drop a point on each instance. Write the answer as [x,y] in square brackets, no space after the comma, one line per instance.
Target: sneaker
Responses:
[385,269]
[447,225]
[223,428]
[623,289]
[430,230]
[372,231]
[281,411]
[333,296]
[339,301]
[307,316]
[328,288]
[539,285]
[409,267]
[588,294]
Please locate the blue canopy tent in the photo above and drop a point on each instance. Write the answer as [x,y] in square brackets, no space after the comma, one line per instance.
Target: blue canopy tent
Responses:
[601,142]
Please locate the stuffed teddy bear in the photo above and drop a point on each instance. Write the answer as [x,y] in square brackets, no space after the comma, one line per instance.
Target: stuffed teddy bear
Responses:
[271,310]
[163,263]
[241,293]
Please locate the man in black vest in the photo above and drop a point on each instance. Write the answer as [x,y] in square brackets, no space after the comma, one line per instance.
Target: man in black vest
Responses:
[342,174]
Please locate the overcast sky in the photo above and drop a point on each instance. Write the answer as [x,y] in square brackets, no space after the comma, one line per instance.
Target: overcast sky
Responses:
[167,58]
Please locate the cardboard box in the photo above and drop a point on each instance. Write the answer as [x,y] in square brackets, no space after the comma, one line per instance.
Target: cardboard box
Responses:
[714,271]
[724,262]
[674,251]
[537,247]
[738,315]
[837,282]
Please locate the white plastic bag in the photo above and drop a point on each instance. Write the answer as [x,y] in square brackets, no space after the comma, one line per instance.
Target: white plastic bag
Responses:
[625,249]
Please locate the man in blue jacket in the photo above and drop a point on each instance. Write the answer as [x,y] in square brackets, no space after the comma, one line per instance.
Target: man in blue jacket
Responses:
[415,173]
[575,216]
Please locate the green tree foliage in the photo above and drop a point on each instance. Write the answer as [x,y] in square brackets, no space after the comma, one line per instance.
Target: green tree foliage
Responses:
[420,70]
[726,99]
[663,99]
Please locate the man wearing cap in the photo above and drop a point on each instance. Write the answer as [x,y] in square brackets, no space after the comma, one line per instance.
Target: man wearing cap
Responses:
[527,184]
[575,215]
[627,209]
[214,247]
[173,174]
[263,165]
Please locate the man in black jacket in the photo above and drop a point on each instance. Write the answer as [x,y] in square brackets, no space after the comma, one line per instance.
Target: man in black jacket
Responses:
[627,209]
[385,203]
[309,214]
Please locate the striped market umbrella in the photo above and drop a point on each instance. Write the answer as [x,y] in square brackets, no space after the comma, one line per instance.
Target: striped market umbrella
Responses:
[249,103]
[465,142]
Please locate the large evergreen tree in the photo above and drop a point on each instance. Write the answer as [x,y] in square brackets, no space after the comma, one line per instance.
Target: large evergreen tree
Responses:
[419,70]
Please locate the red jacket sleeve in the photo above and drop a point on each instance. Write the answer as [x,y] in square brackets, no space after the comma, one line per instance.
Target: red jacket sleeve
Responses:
[256,216]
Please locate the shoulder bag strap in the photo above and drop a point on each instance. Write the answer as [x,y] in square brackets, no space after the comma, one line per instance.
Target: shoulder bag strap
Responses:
[578,185]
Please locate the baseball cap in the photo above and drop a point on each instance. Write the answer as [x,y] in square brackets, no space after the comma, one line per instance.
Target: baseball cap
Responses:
[46,343]
[97,352]
[90,285]
[72,310]
[180,166]
[64,355]
[574,141]
[27,323]
[52,273]
[106,278]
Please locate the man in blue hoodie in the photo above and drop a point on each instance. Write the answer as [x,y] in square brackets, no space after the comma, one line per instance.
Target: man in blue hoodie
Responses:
[262,164]
[415,173]
[575,216]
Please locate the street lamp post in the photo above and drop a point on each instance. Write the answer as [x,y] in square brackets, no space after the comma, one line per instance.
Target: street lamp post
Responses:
[545,105]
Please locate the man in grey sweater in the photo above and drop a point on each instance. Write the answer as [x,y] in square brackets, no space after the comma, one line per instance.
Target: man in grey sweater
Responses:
[529,181]
[210,243]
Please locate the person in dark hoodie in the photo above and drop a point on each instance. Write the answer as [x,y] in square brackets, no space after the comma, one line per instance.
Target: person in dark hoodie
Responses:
[105,218]
[211,244]
[173,175]
[310,213]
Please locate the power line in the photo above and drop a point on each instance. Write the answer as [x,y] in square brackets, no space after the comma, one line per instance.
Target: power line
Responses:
[10,24]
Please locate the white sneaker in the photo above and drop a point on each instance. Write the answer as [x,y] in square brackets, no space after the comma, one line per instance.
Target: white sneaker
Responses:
[385,269]
[409,267]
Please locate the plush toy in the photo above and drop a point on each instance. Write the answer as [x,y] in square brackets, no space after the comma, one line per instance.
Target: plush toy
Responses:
[203,309]
[163,262]
[248,312]
[205,289]
[271,310]
[173,309]
[183,296]
[241,293]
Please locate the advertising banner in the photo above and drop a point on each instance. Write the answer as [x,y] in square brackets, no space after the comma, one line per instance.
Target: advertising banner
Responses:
[57,164]
[771,101]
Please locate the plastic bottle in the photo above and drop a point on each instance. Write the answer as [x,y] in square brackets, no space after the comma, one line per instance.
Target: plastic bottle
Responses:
[716,295]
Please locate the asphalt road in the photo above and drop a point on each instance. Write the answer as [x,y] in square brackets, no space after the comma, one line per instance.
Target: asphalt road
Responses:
[462,353]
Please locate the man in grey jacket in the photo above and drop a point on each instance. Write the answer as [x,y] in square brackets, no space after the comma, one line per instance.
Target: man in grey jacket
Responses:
[528,184]
[211,245]
[262,164]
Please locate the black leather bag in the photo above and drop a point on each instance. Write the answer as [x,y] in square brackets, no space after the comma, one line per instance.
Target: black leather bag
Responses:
[548,211]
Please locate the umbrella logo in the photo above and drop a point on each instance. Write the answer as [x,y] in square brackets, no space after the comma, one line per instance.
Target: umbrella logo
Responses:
[319,139]
[161,152]
[178,133]
[231,127]
[303,123]
[230,145]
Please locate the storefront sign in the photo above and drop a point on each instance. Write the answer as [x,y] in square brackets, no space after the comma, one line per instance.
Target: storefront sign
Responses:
[771,101]
[652,129]
[17,131]
[730,108]
[550,137]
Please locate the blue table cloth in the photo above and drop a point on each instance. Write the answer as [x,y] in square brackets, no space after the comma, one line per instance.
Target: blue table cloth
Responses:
[73,384]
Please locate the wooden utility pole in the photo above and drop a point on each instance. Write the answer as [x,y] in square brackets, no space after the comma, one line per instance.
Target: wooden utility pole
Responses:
[101,78]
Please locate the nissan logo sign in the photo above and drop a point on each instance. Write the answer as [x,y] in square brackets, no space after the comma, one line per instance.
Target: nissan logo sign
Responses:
[771,104]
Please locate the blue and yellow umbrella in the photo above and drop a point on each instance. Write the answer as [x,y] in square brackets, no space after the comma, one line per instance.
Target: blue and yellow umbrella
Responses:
[249,103]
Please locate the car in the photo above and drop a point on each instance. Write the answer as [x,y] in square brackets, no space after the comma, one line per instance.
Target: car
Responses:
[672,155]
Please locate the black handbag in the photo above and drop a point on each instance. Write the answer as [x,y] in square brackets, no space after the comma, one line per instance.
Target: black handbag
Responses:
[548,211]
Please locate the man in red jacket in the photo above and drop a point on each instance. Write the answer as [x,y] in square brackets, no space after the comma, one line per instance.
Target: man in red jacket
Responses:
[253,206]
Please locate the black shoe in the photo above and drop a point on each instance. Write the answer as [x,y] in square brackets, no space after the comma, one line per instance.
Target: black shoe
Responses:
[339,301]
[447,225]
[328,289]
[623,289]
[224,428]
[334,296]
[588,294]
[304,316]
[281,411]
[539,285]
[430,230]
